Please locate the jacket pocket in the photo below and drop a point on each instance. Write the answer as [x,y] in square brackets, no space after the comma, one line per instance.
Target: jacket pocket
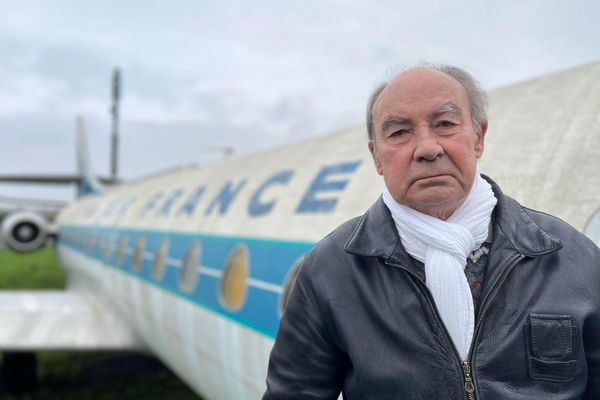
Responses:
[551,347]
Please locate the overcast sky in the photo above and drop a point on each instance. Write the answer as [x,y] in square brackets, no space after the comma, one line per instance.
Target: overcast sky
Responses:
[247,74]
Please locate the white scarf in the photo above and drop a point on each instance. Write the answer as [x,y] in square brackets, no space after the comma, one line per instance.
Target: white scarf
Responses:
[444,247]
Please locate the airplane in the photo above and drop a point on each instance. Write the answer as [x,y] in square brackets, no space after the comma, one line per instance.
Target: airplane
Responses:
[195,265]
[27,223]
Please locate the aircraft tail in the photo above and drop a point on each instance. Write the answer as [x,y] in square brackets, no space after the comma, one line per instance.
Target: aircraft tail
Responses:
[88,183]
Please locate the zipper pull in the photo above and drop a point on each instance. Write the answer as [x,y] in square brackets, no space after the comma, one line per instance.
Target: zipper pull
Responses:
[469,387]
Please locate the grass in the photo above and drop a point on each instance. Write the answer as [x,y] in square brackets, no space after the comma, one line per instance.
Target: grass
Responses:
[37,270]
[84,375]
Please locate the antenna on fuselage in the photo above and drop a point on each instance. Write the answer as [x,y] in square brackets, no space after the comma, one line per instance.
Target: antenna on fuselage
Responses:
[114,111]
[226,151]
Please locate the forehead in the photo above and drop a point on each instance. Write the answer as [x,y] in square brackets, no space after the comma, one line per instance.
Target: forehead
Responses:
[419,91]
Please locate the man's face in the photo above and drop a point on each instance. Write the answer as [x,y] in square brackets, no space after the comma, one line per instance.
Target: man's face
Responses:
[424,144]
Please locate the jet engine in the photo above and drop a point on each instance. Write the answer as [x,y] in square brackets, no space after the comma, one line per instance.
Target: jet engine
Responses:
[24,231]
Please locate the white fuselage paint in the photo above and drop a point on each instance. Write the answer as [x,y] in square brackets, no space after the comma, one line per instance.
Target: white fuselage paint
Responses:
[214,355]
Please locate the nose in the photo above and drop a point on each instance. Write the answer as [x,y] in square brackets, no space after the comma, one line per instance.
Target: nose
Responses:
[428,147]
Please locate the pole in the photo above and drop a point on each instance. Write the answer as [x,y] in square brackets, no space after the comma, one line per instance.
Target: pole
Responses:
[114,111]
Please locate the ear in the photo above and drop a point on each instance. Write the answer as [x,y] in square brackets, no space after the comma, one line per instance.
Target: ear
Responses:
[480,136]
[375,155]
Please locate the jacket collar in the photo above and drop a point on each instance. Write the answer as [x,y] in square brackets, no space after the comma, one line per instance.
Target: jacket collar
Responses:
[513,222]
[375,234]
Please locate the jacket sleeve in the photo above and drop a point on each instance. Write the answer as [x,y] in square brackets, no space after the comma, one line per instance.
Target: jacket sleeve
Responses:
[305,361]
[592,354]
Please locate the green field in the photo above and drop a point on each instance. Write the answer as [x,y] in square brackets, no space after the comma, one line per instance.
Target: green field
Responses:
[37,270]
[84,375]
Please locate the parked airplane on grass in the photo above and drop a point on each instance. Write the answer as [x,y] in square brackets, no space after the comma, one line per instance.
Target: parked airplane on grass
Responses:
[194,265]
[26,223]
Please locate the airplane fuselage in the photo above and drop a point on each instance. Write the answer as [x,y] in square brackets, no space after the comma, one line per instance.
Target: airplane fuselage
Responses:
[196,261]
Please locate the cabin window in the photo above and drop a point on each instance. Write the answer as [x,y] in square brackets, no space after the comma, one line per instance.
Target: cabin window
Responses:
[290,280]
[122,249]
[234,280]
[160,258]
[188,277]
[96,242]
[592,227]
[138,254]
[108,248]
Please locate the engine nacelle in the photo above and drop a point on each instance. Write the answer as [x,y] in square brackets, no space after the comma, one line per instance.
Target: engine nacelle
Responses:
[24,231]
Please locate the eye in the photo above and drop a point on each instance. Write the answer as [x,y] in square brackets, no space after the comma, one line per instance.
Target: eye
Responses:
[445,124]
[399,132]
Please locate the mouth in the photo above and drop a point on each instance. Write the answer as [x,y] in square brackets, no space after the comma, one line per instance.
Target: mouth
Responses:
[433,176]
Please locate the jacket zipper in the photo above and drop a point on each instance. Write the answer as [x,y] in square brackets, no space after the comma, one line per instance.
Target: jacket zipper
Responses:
[469,385]
[469,382]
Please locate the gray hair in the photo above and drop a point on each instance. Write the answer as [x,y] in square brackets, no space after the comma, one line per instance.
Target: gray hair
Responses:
[475,94]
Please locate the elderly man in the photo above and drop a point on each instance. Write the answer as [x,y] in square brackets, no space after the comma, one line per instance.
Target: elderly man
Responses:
[446,288]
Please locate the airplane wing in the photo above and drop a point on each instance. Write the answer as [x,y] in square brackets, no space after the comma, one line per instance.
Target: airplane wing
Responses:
[60,320]
[44,206]
[59,179]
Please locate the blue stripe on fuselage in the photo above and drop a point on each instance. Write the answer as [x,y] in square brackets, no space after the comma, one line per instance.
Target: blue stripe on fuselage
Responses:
[269,263]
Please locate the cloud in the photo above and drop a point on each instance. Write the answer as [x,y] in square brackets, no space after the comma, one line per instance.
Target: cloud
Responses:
[235,73]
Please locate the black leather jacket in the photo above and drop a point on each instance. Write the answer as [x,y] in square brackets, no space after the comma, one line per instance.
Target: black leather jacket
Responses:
[360,319]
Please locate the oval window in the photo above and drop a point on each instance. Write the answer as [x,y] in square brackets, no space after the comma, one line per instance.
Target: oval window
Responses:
[234,280]
[188,276]
[160,258]
[97,240]
[290,280]
[122,249]
[592,227]
[108,248]
[138,254]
